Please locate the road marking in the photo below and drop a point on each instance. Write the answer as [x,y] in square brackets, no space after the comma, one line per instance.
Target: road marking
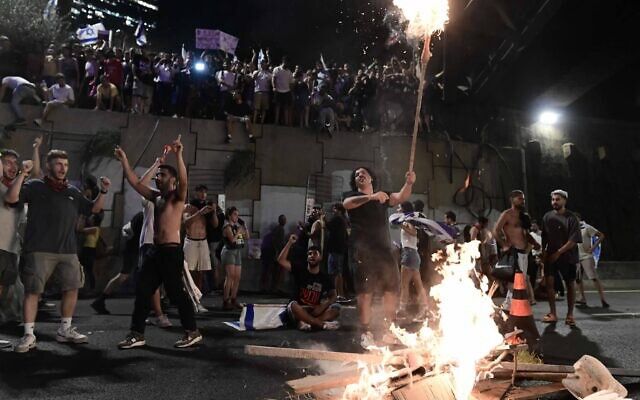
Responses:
[615,291]
[627,314]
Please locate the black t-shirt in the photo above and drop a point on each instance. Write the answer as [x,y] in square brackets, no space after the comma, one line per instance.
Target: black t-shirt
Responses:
[310,288]
[338,237]
[215,234]
[238,110]
[557,229]
[52,217]
[369,225]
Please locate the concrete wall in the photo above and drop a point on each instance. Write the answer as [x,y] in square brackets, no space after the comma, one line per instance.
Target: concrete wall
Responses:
[285,159]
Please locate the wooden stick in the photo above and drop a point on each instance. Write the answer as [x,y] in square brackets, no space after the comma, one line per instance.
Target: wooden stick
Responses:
[318,383]
[426,55]
[567,369]
[311,354]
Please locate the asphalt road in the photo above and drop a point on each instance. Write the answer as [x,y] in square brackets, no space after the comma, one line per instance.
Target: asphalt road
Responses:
[218,369]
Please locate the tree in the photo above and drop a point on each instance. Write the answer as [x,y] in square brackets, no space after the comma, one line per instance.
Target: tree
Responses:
[24,22]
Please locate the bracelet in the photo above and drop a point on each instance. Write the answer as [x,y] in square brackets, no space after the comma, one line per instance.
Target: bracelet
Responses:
[104,191]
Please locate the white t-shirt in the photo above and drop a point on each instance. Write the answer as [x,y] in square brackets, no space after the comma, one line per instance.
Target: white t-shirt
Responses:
[283,78]
[588,232]
[62,93]
[146,235]
[262,81]
[10,219]
[228,78]
[408,240]
[12,82]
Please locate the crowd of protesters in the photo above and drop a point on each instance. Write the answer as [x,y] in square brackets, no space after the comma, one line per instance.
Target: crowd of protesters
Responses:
[325,96]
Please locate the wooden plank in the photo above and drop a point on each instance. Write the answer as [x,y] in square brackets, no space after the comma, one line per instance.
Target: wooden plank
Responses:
[490,389]
[317,383]
[437,387]
[568,369]
[537,376]
[535,392]
[284,352]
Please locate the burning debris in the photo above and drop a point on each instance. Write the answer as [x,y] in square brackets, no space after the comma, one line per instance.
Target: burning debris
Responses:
[457,354]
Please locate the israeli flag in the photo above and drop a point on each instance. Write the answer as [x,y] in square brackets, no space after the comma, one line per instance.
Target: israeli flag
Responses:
[50,10]
[140,34]
[89,34]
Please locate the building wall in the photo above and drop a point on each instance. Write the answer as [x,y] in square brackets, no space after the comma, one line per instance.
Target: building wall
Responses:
[285,161]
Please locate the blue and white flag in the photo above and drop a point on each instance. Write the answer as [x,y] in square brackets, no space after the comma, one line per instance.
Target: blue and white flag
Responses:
[89,34]
[260,56]
[140,34]
[50,10]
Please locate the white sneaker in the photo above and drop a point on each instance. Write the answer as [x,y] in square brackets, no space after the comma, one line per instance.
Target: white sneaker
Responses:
[161,321]
[201,309]
[303,326]
[26,343]
[4,344]
[71,336]
[331,325]
[38,122]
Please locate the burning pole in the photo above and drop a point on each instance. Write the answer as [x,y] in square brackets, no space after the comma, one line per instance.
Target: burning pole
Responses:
[425,18]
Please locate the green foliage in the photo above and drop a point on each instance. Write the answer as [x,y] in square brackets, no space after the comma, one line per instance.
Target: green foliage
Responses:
[240,168]
[23,22]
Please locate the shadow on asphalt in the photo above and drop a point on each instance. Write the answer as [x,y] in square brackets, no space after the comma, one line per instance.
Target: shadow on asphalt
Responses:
[594,311]
[40,369]
[567,349]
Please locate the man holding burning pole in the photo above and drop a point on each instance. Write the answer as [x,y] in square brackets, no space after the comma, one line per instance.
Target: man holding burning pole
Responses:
[370,245]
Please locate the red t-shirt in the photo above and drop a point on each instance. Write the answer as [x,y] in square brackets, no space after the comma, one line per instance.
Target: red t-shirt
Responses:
[113,68]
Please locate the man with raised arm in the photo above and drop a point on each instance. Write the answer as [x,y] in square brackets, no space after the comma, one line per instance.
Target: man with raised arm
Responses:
[50,241]
[164,262]
[370,243]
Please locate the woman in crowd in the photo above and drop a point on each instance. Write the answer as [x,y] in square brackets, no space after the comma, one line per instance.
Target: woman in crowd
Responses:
[234,237]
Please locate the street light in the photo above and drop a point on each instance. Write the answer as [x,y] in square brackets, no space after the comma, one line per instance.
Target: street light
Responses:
[548,117]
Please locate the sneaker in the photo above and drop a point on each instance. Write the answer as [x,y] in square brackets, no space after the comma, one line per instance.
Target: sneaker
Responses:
[605,304]
[99,306]
[189,339]
[38,122]
[71,336]
[132,340]
[331,325]
[161,321]
[4,344]
[303,326]
[26,343]
[201,309]
[46,305]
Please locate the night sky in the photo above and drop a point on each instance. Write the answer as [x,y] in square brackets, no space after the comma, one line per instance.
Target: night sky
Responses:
[343,30]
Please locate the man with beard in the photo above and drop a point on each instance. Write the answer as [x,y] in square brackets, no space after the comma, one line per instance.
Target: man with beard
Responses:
[197,215]
[370,243]
[512,235]
[50,242]
[165,260]
[560,236]
[313,305]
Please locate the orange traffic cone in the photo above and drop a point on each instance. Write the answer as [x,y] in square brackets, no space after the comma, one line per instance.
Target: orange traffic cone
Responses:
[520,314]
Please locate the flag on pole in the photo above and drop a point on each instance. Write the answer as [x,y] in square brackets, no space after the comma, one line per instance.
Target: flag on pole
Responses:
[89,34]
[140,34]
[50,10]
[184,53]
[260,56]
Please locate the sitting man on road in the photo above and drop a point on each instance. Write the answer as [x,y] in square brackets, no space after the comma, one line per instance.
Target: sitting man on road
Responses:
[314,302]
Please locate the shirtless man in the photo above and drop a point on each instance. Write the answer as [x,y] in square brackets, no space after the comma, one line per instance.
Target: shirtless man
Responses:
[370,243]
[197,214]
[512,234]
[164,263]
[488,252]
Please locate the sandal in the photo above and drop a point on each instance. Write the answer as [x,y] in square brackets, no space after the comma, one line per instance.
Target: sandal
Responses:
[570,321]
[549,319]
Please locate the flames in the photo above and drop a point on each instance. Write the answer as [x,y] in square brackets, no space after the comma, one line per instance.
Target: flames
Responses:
[461,335]
[425,17]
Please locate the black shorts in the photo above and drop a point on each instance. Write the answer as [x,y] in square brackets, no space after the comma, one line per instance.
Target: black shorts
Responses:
[284,99]
[131,260]
[567,270]
[374,270]
[8,268]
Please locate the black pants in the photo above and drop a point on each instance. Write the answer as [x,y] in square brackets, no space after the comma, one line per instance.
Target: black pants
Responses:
[163,265]
[87,260]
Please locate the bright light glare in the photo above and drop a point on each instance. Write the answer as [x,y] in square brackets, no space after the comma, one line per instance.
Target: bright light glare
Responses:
[548,117]
[200,66]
